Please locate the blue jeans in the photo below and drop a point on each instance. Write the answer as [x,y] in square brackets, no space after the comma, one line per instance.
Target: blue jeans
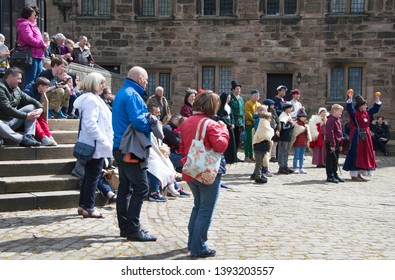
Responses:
[132,190]
[93,173]
[205,199]
[154,183]
[32,72]
[299,156]
[175,160]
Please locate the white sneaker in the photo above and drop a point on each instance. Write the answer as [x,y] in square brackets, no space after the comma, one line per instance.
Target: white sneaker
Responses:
[268,174]
[302,171]
[296,171]
[172,190]
[46,141]
[53,141]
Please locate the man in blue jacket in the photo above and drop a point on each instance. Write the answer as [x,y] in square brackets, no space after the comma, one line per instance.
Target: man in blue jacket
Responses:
[129,108]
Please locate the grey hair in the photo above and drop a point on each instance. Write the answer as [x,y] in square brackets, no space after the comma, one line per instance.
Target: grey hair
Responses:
[2,36]
[60,36]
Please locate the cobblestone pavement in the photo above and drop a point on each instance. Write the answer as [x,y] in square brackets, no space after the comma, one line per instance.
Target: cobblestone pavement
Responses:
[291,217]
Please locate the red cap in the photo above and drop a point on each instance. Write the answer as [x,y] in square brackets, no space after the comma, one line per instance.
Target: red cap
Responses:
[295,91]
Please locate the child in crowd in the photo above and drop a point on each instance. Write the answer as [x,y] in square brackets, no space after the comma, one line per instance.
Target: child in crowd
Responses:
[333,141]
[286,126]
[4,55]
[262,142]
[38,90]
[317,125]
[275,124]
[300,138]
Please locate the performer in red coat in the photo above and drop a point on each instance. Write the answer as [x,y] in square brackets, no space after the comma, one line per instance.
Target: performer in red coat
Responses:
[360,159]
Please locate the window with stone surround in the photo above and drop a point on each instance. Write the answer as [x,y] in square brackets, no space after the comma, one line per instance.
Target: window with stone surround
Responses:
[154,8]
[95,7]
[348,6]
[159,77]
[216,77]
[215,7]
[280,7]
[344,77]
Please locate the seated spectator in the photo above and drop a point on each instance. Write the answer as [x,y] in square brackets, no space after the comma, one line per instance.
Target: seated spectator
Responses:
[38,91]
[66,52]
[70,111]
[107,97]
[56,45]
[380,134]
[4,55]
[172,139]
[17,109]
[58,93]
[161,101]
[47,41]
[81,53]
[46,63]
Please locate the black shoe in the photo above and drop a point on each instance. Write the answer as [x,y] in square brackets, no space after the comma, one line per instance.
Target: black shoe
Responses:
[28,141]
[261,180]
[339,179]
[252,177]
[332,180]
[141,237]
[112,199]
[273,159]
[206,254]
[124,234]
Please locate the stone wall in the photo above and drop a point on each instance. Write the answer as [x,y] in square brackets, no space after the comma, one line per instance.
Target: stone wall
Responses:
[253,43]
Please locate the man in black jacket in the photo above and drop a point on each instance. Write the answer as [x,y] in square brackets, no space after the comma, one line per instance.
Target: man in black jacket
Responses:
[380,134]
[17,109]
[172,139]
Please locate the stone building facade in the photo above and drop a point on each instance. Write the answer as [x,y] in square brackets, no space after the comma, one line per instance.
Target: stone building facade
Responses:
[322,47]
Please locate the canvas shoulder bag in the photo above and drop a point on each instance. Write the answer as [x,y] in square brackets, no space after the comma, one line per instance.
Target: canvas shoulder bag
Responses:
[202,164]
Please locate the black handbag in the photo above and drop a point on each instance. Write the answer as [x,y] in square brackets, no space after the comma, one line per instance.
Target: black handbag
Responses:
[21,58]
[81,150]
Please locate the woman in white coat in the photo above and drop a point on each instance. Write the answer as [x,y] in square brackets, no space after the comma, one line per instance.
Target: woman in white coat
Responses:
[96,129]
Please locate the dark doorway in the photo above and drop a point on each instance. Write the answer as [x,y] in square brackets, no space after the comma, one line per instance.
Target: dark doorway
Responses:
[275,80]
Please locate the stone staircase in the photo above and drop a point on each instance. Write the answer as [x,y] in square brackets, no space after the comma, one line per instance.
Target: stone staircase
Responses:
[40,177]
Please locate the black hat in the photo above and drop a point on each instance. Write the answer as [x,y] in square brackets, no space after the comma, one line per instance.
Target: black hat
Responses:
[235,84]
[287,105]
[359,101]
[301,113]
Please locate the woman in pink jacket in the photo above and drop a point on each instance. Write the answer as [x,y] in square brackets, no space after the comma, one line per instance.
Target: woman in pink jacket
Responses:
[29,35]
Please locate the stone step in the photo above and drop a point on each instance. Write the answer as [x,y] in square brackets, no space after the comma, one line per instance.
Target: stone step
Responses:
[43,200]
[39,183]
[63,124]
[64,151]
[65,137]
[36,167]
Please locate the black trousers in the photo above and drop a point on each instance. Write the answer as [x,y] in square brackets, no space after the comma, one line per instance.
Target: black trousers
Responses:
[132,190]
[332,160]
[237,131]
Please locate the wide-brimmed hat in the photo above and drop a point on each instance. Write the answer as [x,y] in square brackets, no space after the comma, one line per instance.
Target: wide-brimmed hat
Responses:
[359,101]
[235,84]
[282,87]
